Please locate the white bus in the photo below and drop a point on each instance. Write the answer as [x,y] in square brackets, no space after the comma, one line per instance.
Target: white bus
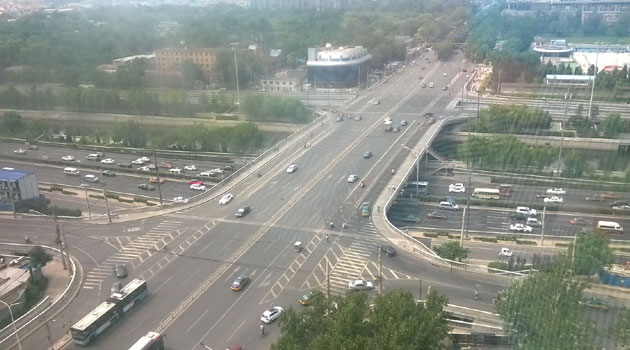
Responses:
[151,341]
[95,323]
[486,193]
[130,294]
[609,226]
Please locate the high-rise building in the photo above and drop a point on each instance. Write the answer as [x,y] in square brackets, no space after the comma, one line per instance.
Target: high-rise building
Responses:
[338,68]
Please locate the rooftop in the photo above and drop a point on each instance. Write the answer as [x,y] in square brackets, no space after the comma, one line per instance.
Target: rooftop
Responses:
[13,175]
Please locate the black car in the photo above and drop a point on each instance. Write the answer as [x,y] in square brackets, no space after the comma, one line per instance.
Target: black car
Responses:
[435,215]
[619,203]
[228,168]
[428,114]
[146,187]
[388,249]
[125,165]
[242,212]
[239,283]
[108,173]
[519,216]
[120,270]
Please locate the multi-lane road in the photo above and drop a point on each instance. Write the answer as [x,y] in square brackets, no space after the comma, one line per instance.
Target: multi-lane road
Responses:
[207,247]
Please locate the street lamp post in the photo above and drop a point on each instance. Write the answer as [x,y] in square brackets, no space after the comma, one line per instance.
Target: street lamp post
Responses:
[590,103]
[13,322]
[238,94]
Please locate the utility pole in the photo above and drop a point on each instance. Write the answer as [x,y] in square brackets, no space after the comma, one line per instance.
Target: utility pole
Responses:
[58,239]
[87,200]
[157,174]
[469,161]
[12,199]
[238,94]
[66,246]
[461,236]
[542,227]
[109,214]
[380,274]
[420,289]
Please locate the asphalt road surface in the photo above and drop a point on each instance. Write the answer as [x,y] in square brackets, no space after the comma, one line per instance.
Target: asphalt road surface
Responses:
[208,246]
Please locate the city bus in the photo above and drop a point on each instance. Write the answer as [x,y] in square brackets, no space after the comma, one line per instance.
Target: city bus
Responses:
[486,193]
[421,186]
[96,322]
[151,341]
[131,293]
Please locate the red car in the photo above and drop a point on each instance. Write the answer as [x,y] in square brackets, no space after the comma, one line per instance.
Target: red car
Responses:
[610,195]
[154,180]
[166,165]
[195,182]
[431,121]
[578,221]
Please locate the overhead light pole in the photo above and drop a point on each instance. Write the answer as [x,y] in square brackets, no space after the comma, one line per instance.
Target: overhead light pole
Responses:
[13,322]
[590,103]
[238,95]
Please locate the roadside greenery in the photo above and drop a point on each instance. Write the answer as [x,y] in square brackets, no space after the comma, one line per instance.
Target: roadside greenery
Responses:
[504,152]
[39,257]
[511,119]
[274,108]
[240,138]
[395,321]
[452,251]
[622,328]
[542,311]
[592,253]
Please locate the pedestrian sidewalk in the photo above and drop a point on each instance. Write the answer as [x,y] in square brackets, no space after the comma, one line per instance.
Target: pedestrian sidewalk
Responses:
[58,278]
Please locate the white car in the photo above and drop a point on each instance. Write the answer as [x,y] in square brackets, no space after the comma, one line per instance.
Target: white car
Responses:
[360,285]
[352,178]
[457,188]
[520,228]
[227,198]
[138,161]
[145,159]
[431,85]
[68,158]
[505,252]
[180,199]
[190,167]
[271,314]
[198,187]
[144,169]
[556,191]
[388,119]
[526,211]
[20,151]
[444,74]
[292,168]
[553,199]
[107,161]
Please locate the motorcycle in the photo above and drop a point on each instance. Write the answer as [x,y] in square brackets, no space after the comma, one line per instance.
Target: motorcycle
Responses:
[262,329]
[331,225]
[393,171]
[27,240]
[362,184]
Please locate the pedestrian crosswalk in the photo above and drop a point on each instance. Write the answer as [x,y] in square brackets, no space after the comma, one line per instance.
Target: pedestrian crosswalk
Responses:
[133,250]
[345,264]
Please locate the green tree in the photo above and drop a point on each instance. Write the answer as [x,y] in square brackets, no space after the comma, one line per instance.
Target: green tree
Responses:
[612,126]
[591,253]
[395,322]
[12,123]
[452,251]
[622,328]
[542,311]
[574,164]
[39,257]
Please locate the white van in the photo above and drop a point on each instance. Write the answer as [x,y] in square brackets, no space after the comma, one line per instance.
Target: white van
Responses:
[93,156]
[448,205]
[91,178]
[71,171]
[207,174]
[175,171]
[609,226]
[526,210]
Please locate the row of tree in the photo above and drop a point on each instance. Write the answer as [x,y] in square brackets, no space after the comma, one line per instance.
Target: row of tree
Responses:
[511,119]
[241,138]
[275,108]
[170,103]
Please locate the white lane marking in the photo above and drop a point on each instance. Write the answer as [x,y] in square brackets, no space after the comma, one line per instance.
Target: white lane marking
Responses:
[197,321]
[162,284]
[233,333]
